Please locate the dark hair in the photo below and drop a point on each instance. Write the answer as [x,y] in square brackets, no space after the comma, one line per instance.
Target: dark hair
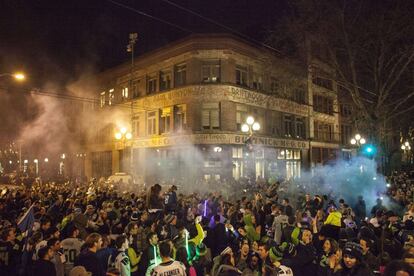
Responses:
[286,199]
[41,253]
[52,242]
[165,249]
[217,218]
[265,245]
[120,240]
[150,235]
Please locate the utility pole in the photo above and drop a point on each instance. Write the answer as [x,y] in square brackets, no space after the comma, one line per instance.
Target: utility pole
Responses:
[130,48]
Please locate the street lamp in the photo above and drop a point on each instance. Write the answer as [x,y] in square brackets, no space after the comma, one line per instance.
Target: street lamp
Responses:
[124,135]
[249,127]
[17,76]
[406,147]
[358,140]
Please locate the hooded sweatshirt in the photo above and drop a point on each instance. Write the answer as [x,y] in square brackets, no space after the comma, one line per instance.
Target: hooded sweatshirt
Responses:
[252,235]
[334,219]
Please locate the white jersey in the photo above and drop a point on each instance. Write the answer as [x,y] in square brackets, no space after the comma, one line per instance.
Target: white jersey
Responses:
[71,248]
[170,268]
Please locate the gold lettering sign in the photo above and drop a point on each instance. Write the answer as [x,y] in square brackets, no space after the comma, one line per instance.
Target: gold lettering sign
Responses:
[220,93]
[197,139]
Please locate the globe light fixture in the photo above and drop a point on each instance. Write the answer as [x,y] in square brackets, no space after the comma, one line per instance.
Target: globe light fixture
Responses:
[362,141]
[123,130]
[256,126]
[19,76]
[357,137]
[245,128]
[118,136]
[250,120]
[46,160]
[128,135]
[353,141]
[35,161]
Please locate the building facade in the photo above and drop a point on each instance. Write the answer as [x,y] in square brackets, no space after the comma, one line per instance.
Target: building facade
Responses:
[186,102]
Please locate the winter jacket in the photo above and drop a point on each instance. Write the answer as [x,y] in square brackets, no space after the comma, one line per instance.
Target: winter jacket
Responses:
[360,269]
[334,219]
[90,261]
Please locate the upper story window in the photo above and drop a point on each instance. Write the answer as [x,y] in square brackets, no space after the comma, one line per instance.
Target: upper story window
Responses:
[323,104]
[346,110]
[165,120]
[326,83]
[135,88]
[299,95]
[151,123]
[102,99]
[180,117]
[135,126]
[274,86]
[152,84]
[241,75]
[180,74]
[165,80]
[324,131]
[210,71]
[210,116]
[257,81]
[241,115]
[125,93]
[111,97]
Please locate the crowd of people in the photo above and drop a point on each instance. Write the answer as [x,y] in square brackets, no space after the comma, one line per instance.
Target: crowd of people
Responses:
[74,230]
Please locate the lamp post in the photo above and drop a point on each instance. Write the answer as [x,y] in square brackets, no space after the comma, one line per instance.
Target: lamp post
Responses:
[406,147]
[250,127]
[123,135]
[358,140]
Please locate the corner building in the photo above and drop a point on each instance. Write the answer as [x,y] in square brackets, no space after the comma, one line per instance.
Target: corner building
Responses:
[185,104]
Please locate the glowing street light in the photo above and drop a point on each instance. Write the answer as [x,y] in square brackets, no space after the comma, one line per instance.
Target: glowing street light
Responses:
[118,136]
[17,76]
[26,161]
[46,160]
[358,140]
[36,161]
[250,120]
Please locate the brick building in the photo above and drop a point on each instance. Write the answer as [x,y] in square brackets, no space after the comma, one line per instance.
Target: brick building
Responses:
[185,104]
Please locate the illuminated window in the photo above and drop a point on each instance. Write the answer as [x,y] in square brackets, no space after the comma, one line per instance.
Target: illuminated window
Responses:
[111,96]
[135,126]
[210,116]
[257,82]
[151,123]
[241,115]
[102,99]
[180,119]
[124,93]
[165,120]
[211,71]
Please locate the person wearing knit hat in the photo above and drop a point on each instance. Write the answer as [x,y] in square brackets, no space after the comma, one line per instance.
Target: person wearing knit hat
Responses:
[352,263]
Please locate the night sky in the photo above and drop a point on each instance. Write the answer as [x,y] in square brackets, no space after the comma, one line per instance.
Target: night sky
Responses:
[57,40]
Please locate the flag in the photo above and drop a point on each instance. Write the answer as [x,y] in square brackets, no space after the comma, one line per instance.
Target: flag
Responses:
[27,220]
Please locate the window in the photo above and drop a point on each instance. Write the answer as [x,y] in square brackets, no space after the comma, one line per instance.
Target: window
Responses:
[274,86]
[180,74]
[325,83]
[102,99]
[165,120]
[151,123]
[165,80]
[241,75]
[275,124]
[323,131]
[111,96]
[211,71]
[300,128]
[241,115]
[124,93]
[135,88]
[237,152]
[180,117]
[257,82]
[135,126]
[346,110]
[152,84]
[289,125]
[323,104]
[299,95]
[210,116]
[346,134]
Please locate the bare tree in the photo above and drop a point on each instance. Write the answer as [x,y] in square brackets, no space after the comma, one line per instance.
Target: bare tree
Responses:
[369,45]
